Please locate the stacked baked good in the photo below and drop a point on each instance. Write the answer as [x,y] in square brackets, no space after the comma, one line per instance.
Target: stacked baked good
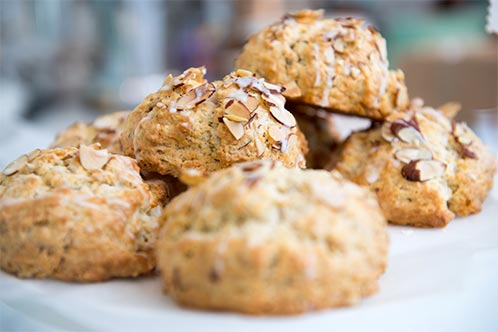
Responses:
[206,180]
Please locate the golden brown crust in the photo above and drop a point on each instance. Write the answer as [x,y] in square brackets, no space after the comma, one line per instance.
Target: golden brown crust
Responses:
[331,63]
[105,130]
[263,239]
[190,124]
[63,216]
[376,158]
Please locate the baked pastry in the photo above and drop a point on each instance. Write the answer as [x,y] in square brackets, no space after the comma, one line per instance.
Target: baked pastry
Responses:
[264,239]
[423,166]
[192,126]
[105,130]
[332,63]
[78,214]
[324,132]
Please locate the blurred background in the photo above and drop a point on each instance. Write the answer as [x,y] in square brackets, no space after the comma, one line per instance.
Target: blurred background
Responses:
[68,60]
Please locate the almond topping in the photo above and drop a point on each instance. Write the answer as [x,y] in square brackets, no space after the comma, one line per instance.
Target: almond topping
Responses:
[283,116]
[236,111]
[339,45]
[260,147]
[16,165]
[243,73]
[195,96]
[33,154]
[386,132]
[461,132]
[407,155]
[292,90]
[92,159]
[407,131]
[252,103]
[235,128]
[274,99]
[423,170]
[450,110]
[355,72]
[276,133]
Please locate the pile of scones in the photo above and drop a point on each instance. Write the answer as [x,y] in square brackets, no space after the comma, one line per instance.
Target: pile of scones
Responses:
[242,192]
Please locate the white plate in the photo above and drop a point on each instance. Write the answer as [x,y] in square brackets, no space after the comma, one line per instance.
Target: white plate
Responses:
[437,280]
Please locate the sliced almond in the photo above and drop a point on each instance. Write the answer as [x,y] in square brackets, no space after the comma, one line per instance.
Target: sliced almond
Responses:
[339,45]
[251,103]
[260,147]
[235,128]
[407,131]
[450,110]
[283,116]
[409,154]
[276,133]
[292,90]
[274,88]
[423,170]
[16,165]
[236,111]
[462,133]
[92,159]
[33,154]
[195,96]
[386,132]
[243,73]
[291,141]
[416,103]
[274,99]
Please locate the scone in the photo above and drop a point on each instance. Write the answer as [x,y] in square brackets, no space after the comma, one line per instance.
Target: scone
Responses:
[105,130]
[261,238]
[78,215]
[195,127]
[333,63]
[423,166]
[324,132]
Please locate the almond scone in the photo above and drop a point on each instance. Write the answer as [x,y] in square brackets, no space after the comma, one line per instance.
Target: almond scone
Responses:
[424,167]
[261,238]
[105,130]
[78,215]
[190,126]
[337,64]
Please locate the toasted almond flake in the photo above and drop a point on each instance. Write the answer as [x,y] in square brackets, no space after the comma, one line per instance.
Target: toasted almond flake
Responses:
[16,165]
[167,83]
[273,87]
[372,174]
[450,109]
[33,154]
[329,56]
[416,103]
[283,116]
[274,99]
[243,73]
[409,135]
[292,90]
[195,96]
[251,103]
[235,128]
[386,132]
[160,105]
[339,45]
[291,141]
[92,159]
[423,170]
[461,132]
[236,111]
[276,133]
[260,147]
[330,35]
[409,154]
